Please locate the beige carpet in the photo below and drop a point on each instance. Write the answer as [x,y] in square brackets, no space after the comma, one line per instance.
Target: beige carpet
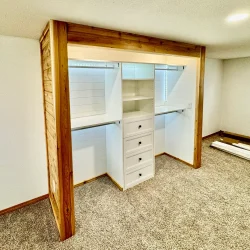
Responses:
[181,208]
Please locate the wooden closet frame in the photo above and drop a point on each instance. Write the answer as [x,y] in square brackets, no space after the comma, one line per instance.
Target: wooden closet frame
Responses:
[54,59]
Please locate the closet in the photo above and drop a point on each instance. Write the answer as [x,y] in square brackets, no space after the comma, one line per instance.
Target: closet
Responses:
[105,117]
[123,114]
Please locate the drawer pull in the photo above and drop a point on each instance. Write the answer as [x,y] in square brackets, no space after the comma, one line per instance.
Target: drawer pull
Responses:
[140,175]
[139,126]
[140,159]
[139,143]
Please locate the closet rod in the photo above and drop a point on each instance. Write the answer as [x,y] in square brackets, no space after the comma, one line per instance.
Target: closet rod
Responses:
[94,125]
[91,67]
[170,69]
[169,112]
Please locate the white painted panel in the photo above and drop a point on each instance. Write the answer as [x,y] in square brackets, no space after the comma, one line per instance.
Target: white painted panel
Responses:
[114,142]
[159,134]
[179,128]
[89,153]
[113,93]
[144,71]
[23,165]
[85,85]
[137,71]
[160,87]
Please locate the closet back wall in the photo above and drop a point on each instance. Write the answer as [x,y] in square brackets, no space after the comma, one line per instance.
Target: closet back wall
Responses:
[23,170]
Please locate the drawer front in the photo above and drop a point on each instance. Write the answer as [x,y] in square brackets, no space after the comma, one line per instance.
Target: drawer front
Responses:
[138,144]
[139,176]
[138,127]
[138,159]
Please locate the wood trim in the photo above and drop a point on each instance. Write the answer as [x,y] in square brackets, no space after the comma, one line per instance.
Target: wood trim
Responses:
[199,108]
[23,204]
[178,159]
[211,135]
[163,153]
[90,180]
[119,187]
[45,31]
[93,36]
[236,136]
[43,197]
[63,128]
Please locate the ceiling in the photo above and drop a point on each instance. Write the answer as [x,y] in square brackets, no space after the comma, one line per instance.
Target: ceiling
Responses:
[199,22]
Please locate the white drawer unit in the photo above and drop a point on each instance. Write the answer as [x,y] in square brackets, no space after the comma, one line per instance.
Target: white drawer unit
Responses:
[135,127]
[138,144]
[139,176]
[135,161]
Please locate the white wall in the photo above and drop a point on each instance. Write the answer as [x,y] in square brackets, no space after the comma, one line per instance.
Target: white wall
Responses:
[236,96]
[23,171]
[212,96]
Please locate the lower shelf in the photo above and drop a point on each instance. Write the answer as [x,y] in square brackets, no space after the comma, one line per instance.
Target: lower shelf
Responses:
[135,114]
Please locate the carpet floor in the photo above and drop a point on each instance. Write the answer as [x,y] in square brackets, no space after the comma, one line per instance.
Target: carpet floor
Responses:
[181,208]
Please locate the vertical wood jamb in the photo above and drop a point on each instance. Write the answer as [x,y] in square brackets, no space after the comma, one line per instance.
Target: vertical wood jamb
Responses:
[199,108]
[63,127]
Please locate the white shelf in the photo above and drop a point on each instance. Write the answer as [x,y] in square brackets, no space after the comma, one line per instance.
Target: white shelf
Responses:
[136,98]
[138,79]
[167,109]
[135,114]
[92,121]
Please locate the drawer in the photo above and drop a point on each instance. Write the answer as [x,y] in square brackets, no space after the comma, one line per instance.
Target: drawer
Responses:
[138,144]
[138,159]
[138,127]
[139,176]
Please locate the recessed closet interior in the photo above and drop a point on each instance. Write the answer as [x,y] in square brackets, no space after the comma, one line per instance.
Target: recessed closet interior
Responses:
[126,108]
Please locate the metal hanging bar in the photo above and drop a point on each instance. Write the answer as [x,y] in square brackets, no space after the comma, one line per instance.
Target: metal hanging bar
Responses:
[168,69]
[91,67]
[94,125]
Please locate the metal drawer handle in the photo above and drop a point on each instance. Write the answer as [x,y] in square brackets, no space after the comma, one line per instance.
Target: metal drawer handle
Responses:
[139,143]
[140,175]
[140,159]
[139,126]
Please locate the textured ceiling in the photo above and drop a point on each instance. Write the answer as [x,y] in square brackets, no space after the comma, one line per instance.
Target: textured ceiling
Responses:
[194,21]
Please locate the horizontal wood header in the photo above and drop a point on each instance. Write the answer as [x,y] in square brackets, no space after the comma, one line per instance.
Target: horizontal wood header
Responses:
[92,36]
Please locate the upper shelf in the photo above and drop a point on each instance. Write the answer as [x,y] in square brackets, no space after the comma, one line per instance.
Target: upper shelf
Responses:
[136,98]
[168,109]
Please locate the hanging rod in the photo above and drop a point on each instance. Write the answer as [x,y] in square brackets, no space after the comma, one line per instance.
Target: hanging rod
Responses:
[169,112]
[170,69]
[91,67]
[94,125]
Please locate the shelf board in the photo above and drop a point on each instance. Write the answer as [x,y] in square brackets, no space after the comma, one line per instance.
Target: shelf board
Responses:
[138,79]
[136,98]
[135,114]
[161,110]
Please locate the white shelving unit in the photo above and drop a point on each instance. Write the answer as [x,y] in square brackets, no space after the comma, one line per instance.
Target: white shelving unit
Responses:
[136,98]
[114,107]
[138,122]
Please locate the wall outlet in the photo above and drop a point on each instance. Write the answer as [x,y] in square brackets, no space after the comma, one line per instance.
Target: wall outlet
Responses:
[190,105]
